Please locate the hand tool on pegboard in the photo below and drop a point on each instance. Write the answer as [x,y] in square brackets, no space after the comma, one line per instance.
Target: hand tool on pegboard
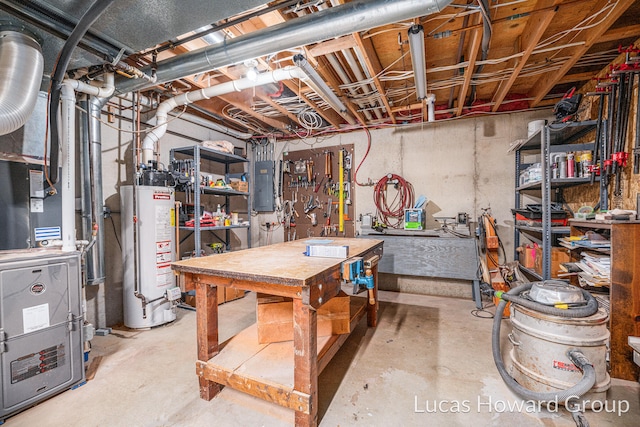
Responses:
[328,166]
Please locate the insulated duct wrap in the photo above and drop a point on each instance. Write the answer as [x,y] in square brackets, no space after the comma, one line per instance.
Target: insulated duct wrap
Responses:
[21,67]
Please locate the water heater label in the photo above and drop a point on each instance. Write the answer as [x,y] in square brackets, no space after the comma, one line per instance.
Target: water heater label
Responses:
[35,318]
[34,364]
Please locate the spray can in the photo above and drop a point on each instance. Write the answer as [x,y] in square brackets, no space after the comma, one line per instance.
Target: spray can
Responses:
[587,161]
[571,166]
[562,163]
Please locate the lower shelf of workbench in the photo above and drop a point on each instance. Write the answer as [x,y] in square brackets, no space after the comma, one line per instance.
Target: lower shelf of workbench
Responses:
[266,371]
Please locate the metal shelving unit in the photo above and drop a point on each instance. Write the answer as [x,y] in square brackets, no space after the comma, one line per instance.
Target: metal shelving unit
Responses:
[551,139]
[198,154]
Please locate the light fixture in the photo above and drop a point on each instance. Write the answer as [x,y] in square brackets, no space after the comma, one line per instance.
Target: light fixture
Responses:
[416,45]
[319,86]
[252,70]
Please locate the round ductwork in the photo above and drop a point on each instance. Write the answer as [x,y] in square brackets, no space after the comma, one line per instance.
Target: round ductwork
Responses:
[21,67]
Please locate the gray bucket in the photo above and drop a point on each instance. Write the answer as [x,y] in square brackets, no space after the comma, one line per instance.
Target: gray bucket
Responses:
[538,361]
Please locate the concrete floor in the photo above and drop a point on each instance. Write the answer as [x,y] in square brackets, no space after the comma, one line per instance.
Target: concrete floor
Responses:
[425,351]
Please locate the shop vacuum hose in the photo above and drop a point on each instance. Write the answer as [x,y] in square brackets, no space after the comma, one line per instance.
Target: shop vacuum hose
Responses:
[576,356]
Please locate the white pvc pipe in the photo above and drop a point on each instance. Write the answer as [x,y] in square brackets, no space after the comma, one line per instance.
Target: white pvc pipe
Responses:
[187,98]
[68,162]
[104,91]
[431,107]
[68,152]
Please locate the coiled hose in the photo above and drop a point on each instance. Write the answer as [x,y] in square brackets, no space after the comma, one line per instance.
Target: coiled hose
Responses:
[576,356]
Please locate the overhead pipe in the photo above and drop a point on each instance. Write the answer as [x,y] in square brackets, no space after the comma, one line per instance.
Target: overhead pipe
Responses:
[57,77]
[346,80]
[431,107]
[21,67]
[187,98]
[366,89]
[323,25]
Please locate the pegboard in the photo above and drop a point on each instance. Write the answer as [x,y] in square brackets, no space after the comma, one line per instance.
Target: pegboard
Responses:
[310,190]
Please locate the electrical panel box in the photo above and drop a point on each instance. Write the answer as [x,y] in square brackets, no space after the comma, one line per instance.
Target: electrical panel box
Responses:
[41,326]
[263,187]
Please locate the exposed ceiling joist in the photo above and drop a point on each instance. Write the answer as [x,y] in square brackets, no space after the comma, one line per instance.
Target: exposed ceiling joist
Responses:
[533,32]
[620,33]
[589,36]
[474,49]
[335,45]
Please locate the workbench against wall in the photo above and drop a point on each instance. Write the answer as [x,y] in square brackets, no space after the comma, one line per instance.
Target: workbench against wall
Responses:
[311,182]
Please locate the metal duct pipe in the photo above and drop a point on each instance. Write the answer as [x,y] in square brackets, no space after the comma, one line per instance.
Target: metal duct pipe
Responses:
[95,257]
[190,97]
[21,67]
[323,25]
[346,80]
[355,67]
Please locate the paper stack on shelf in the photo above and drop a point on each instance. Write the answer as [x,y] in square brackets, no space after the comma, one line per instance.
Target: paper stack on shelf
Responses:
[573,242]
[596,270]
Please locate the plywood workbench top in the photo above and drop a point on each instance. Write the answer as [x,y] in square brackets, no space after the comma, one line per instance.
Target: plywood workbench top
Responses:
[282,263]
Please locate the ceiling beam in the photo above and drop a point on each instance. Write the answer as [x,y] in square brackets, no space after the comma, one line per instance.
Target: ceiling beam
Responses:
[374,67]
[577,77]
[536,26]
[620,33]
[335,45]
[590,36]
[474,48]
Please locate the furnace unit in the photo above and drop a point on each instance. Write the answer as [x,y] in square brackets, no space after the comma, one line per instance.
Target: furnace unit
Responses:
[148,248]
[41,319]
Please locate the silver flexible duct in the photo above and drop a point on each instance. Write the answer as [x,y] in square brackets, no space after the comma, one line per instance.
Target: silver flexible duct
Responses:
[21,67]
[323,25]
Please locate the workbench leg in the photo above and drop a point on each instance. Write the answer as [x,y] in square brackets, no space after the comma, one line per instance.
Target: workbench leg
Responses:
[305,359]
[207,330]
[477,296]
[372,309]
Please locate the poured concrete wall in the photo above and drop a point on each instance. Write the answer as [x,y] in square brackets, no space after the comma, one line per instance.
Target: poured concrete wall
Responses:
[460,165]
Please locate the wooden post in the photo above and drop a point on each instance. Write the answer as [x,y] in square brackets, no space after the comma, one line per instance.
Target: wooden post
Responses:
[372,309]
[305,359]
[207,332]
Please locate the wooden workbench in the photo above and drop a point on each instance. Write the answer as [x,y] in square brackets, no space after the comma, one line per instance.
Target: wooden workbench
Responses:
[266,370]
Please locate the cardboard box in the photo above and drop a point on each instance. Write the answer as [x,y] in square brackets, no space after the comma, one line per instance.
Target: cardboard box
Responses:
[275,317]
[558,255]
[191,299]
[240,186]
[527,256]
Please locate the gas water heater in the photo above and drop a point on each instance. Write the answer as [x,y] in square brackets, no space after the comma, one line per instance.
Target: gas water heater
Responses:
[148,248]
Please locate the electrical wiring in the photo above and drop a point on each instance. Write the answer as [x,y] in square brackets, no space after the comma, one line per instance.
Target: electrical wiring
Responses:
[391,212]
[580,26]
[119,129]
[355,174]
